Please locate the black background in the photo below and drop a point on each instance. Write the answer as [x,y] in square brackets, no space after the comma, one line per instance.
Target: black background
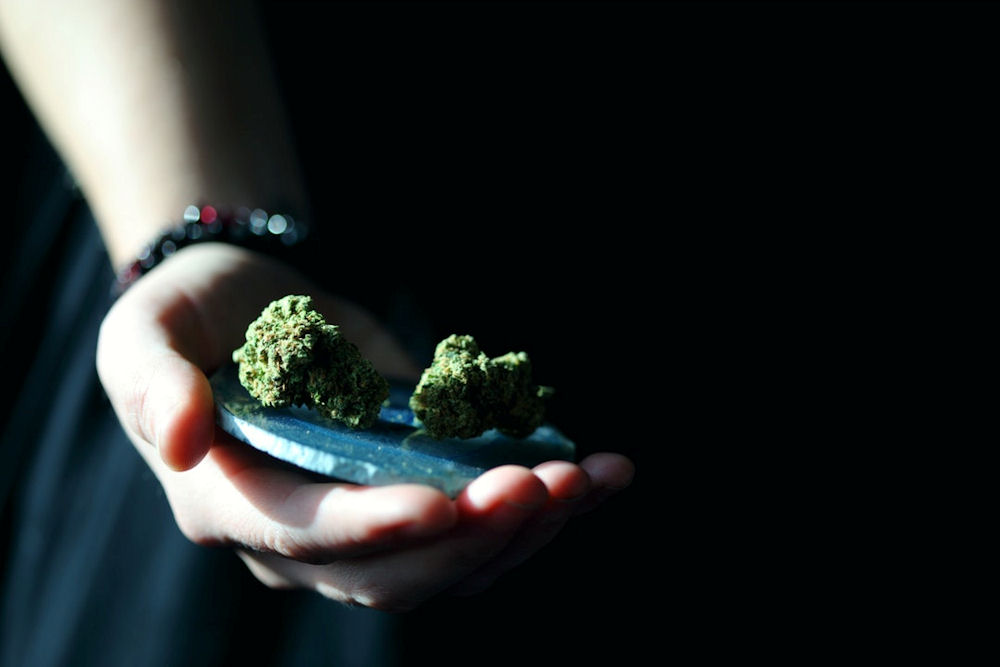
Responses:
[638,195]
[498,170]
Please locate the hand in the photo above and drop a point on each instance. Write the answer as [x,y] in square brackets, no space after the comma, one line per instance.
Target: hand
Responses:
[388,547]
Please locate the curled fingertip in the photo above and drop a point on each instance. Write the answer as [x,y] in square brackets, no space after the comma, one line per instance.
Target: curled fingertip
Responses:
[511,485]
[565,481]
[186,441]
[418,511]
[608,470]
[185,423]
[351,519]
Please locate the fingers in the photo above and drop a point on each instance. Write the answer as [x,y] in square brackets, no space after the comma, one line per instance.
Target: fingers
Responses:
[501,488]
[237,496]
[610,474]
[609,470]
[565,484]
[172,402]
[159,395]
[320,523]
[490,511]
[572,490]
[502,519]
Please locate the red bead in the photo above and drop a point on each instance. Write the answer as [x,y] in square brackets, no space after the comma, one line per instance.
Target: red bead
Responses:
[130,273]
[208,214]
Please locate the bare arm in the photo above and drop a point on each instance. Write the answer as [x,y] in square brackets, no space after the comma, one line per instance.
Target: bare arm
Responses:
[154,105]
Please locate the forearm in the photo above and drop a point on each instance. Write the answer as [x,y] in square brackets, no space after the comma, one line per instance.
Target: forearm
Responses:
[153,105]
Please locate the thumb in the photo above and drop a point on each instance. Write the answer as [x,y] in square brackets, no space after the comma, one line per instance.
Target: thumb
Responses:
[161,398]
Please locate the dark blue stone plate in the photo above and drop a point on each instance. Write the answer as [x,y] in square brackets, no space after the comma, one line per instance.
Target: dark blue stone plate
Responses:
[395,450]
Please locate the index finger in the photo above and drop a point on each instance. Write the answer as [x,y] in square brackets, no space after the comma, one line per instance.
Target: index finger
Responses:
[240,497]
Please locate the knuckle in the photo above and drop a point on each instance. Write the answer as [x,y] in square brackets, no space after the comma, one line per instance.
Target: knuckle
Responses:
[131,396]
[123,383]
[136,407]
[195,531]
[286,544]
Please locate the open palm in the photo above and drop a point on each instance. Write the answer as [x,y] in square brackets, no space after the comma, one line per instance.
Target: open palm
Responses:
[388,547]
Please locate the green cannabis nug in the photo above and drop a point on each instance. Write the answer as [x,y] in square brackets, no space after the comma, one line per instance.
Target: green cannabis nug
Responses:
[464,392]
[293,357]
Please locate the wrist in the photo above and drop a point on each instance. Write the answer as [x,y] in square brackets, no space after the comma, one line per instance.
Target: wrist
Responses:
[132,217]
[272,233]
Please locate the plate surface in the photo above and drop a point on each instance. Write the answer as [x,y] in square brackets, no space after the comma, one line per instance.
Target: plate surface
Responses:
[395,450]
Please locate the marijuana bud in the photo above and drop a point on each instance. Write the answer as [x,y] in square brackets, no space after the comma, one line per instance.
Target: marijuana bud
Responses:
[293,357]
[519,405]
[464,392]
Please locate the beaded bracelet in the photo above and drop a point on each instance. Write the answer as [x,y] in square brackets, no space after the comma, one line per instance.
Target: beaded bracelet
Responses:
[254,229]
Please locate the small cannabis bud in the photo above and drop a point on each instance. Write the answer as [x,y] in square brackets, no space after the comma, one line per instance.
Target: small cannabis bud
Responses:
[464,393]
[293,357]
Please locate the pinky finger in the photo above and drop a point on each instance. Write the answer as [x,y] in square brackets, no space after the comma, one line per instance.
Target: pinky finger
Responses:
[609,474]
[566,484]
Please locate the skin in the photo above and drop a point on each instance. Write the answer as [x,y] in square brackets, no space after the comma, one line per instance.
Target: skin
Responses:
[120,98]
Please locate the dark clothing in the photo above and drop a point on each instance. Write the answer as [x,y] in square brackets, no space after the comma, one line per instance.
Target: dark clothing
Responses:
[96,571]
